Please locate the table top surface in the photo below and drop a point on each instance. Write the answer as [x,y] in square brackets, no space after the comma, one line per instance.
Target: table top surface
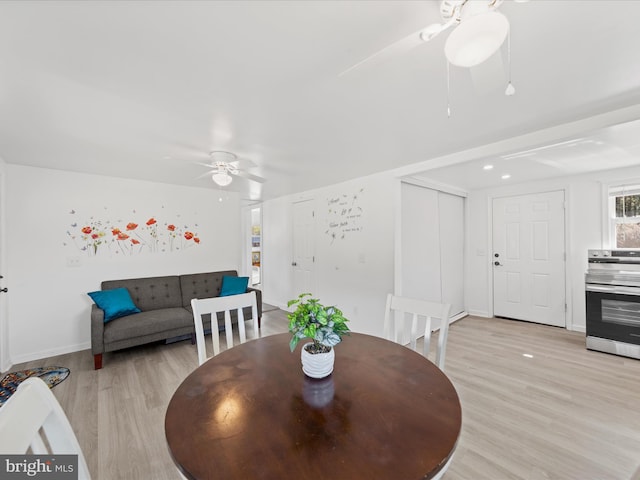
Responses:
[385,412]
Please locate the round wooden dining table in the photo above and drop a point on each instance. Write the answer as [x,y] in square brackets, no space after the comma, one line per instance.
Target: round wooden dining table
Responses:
[385,412]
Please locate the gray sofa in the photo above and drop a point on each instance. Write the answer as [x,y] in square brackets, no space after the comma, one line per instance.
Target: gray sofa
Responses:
[165,304]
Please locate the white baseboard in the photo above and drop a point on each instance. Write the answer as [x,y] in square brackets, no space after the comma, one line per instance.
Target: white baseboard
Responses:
[28,357]
[281,306]
[479,313]
[578,328]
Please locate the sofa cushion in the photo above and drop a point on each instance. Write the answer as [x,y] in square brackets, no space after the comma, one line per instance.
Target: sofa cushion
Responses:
[202,285]
[141,324]
[116,303]
[150,293]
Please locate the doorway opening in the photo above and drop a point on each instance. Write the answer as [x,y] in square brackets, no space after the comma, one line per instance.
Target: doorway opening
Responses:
[256,246]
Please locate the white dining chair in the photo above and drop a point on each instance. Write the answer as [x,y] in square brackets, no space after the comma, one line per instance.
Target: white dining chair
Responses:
[212,306]
[396,312]
[33,422]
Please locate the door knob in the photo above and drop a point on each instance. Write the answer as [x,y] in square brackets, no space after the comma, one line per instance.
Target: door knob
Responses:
[5,290]
[294,264]
[497,264]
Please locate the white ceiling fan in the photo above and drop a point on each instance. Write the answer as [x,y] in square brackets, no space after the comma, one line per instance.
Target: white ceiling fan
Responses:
[479,30]
[224,166]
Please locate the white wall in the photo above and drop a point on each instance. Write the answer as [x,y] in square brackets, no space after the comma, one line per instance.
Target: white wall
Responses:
[584,230]
[48,309]
[354,270]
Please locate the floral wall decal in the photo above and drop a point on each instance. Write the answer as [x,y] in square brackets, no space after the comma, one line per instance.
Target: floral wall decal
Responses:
[103,236]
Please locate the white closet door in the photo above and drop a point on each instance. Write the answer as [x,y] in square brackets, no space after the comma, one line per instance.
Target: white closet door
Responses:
[432,246]
[420,243]
[451,215]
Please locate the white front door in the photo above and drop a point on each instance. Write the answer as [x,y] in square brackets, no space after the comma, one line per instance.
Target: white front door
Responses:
[528,258]
[303,247]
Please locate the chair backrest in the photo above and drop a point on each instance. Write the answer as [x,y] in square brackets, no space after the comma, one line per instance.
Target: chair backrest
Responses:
[211,306]
[396,311]
[33,422]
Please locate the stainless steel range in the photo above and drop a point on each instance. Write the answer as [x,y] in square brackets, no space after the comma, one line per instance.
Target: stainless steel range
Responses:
[613,302]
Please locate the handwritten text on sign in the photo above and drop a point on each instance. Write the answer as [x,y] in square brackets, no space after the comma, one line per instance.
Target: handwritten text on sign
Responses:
[344,215]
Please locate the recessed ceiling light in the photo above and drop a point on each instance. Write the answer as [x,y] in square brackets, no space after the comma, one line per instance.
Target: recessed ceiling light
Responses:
[487,167]
[505,176]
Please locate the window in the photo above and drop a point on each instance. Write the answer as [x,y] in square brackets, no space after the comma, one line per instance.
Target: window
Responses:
[624,212]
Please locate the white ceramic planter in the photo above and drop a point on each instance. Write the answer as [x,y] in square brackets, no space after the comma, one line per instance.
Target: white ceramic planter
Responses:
[317,365]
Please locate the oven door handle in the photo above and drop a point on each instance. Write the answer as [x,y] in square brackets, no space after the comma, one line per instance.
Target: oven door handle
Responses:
[591,287]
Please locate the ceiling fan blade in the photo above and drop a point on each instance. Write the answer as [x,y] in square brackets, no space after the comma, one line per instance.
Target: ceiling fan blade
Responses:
[206,174]
[249,176]
[433,30]
[209,165]
[403,45]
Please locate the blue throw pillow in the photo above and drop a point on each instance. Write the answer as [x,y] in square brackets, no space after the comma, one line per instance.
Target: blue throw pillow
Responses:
[116,303]
[233,285]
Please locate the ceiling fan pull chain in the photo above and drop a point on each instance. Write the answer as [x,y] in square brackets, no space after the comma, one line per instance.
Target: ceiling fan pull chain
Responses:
[510,89]
[448,91]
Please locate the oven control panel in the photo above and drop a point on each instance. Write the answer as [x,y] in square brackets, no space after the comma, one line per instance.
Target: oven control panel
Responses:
[614,256]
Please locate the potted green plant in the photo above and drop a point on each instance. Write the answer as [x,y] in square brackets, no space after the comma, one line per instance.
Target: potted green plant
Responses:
[324,325]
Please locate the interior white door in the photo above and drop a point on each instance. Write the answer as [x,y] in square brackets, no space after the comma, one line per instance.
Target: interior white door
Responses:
[303,247]
[529,258]
[5,362]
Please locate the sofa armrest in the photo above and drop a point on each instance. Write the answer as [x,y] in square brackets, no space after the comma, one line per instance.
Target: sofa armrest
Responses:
[97,330]
[258,299]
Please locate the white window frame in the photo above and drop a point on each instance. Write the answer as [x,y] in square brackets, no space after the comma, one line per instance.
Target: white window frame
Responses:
[614,191]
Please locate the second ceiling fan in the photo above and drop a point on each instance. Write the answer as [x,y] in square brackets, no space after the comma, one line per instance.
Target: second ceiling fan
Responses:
[224,166]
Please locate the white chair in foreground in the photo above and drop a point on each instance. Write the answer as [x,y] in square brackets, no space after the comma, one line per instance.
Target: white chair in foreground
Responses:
[212,306]
[33,422]
[399,307]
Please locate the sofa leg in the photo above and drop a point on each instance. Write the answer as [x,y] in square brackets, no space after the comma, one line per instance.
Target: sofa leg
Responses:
[259,322]
[193,339]
[97,361]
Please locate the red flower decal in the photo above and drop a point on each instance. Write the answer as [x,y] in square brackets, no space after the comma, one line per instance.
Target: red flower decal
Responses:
[86,230]
[134,241]
[115,231]
[196,239]
[95,235]
[132,226]
[188,235]
[151,221]
[171,228]
[122,236]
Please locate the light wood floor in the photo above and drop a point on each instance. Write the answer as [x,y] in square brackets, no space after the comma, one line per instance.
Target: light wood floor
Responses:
[565,413]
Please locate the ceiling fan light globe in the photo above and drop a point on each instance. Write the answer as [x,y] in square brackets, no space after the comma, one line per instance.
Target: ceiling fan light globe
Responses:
[221,178]
[476,39]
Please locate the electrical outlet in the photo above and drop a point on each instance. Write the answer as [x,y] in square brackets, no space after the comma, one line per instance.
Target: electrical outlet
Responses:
[74,261]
